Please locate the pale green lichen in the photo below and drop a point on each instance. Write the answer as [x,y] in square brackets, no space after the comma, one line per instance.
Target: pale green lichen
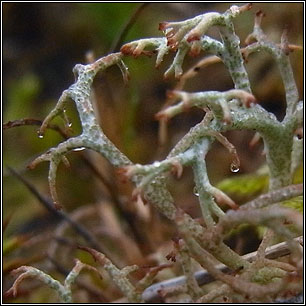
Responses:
[63,291]
[235,109]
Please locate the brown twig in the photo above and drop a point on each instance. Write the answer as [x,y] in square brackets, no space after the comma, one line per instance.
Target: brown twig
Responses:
[6,222]
[29,121]
[126,28]
[80,229]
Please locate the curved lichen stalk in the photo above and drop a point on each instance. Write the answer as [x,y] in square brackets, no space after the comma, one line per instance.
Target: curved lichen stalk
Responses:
[235,109]
[63,290]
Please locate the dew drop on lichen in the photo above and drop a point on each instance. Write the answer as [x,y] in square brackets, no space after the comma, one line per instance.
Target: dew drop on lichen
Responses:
[234,168]
[79,149]
[40,134]
[156,164]
[195,191]
[68,122]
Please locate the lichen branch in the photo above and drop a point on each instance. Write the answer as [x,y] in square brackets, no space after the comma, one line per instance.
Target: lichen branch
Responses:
[280,54]
[117,275]
[64,291]
[214,100]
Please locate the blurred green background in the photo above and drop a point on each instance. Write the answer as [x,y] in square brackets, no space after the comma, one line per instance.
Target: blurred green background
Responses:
[41,44]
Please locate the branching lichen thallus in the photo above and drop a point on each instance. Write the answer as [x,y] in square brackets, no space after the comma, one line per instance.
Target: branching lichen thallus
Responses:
[235,109]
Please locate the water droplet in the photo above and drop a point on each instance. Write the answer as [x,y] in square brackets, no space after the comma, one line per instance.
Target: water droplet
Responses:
[234,168]
[79,149]
[156,164]
[40,134]
[195,191]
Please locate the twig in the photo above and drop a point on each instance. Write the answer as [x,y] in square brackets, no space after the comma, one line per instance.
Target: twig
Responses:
[6,222]
[29,121]
[80,229]
[124,31]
